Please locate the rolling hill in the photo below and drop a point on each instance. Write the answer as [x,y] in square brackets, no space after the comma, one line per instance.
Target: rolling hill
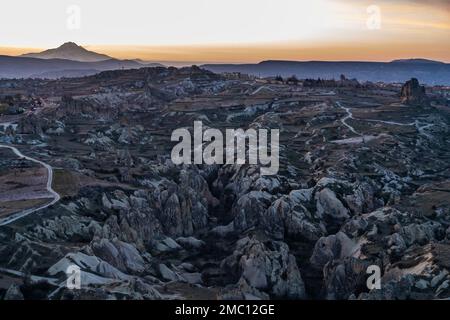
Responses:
[427,71]
[67,61]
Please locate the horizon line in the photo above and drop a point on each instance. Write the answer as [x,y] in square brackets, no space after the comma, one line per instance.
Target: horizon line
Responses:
[225,53]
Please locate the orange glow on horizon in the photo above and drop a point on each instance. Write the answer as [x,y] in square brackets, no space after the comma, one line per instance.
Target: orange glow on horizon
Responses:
[256,53]
[335,30]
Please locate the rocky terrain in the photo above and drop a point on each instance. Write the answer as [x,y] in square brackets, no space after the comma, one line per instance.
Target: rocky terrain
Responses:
[364,180]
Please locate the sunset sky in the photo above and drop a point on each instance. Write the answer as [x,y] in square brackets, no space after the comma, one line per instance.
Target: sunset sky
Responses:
[232,30]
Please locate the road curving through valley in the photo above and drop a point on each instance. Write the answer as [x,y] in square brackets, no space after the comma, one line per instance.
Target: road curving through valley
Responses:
[56,197]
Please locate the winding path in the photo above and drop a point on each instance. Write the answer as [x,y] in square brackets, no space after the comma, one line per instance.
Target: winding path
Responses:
[350,116]
[24,213]
[260,88]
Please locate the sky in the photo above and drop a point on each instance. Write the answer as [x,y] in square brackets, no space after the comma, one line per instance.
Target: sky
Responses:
[232,30]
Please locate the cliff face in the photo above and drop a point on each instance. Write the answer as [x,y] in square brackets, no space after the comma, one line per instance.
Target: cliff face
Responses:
[413,93]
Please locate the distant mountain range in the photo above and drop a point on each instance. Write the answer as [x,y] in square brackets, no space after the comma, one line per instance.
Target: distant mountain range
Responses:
[21,67]
[68,60]
[417,60]
[427,71]
[69,51]
[72,60]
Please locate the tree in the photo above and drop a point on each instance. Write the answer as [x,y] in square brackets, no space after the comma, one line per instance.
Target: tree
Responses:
[292,79]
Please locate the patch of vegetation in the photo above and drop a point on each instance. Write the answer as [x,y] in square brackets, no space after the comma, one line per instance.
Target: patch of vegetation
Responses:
[65,183]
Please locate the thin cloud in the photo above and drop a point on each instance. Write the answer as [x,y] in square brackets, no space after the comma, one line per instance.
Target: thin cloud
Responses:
[444,4]
[439,4]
